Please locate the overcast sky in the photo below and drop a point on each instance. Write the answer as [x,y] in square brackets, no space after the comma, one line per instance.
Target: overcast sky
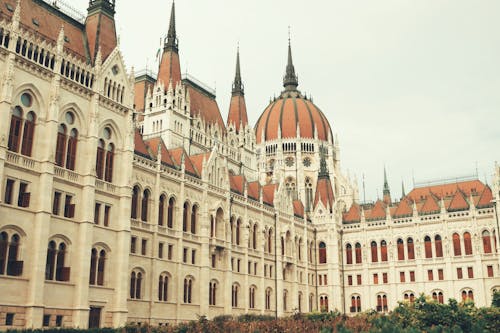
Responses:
[413,85]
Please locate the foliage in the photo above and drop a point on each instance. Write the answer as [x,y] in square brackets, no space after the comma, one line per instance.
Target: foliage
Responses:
[423,315]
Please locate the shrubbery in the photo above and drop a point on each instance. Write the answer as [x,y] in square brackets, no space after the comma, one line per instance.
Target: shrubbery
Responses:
[423,315]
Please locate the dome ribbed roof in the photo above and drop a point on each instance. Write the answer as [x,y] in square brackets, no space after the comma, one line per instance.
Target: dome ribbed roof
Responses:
[287,113]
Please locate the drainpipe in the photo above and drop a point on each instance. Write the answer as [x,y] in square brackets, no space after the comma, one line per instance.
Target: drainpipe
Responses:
[276,264]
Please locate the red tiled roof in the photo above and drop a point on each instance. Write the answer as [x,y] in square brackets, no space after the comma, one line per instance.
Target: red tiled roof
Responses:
[446,190]
[101,32]
[237,112]
[206,107]
[298,208]
[353,214]
[153,144]
[170,68]
[253,190]
[485,198]
[237,183]
[177,154]
[404,208]
[268,193]
[288,112]
[377,212]
[198,160]
[430,205]
[324,193]
[139,146]
[458,202]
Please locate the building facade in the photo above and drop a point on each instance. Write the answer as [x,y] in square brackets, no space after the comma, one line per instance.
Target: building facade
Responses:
[127,198]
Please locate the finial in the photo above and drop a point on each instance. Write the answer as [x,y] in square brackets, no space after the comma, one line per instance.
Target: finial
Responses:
[237,84]
[171,40]
[290,80]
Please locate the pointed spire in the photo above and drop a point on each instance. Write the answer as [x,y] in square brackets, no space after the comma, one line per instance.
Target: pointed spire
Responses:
[403,193]
[171,40]
[290,80]
[238,84]
[386,191]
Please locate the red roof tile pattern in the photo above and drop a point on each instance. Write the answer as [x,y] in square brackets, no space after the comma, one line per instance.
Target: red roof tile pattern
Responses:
[101,32]
[198,160]
[403,209]
[177,155]
[237,183]
[253,190]
[458,202]
[430,205]
[237,112]
[324,192]
[170,68]
[298,208]
[485,199]
[353,214]
[289,112]
[378,211]
[268,194]
[140,146]
[206,107]
[153,145]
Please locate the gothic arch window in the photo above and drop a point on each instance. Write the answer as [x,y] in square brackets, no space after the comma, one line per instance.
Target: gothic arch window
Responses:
[382,303]
[270,241]
[285,299]
[22,125]
[9,254]
[401,249]
[212,292]
[135,201]
[348,253]
[323,303]
[105,156]
[410,248]
[309,194]
[486,241]
[428,247]
[163,283]
[299,301]
[185,216]
[194,218]
[161,210]
[355,303]
[438,296]
[409,296]
[97,266]
[467,243]
[358,253]
[311,302]
[67,140]
[251,297]
[234,295]
[457,251]
[170,212]
[268,296]
[322,253]
[238,231]
[254,236]
[145,205]
[467,295]
[188,290]
[136,284]
[438,244]
[55,268]
[383,250]
[290,187]
[374,251]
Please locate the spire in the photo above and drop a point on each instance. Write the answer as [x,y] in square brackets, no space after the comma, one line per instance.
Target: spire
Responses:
[290,80]
[237,84]
[403,194]
[171,41]
[386,191]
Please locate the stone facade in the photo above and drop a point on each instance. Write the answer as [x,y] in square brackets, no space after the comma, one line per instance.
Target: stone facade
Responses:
[148,208]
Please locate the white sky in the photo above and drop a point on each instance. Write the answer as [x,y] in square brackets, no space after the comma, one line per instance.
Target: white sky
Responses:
[414,85]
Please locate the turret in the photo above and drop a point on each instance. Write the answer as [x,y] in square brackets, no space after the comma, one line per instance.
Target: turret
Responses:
[100,28]
[170,68]
[237,109]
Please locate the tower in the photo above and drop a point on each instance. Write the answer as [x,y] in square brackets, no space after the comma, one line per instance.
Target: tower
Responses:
[387,191]
[100,28]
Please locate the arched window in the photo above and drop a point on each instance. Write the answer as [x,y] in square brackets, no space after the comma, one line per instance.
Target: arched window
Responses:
[411,248]
[61,145]
[55,268]
[93,266]
[299,301]
[309,194]
[456,245]
[251,298]
[486,241]
[384,303]
[212,293]
[428,247]
[71,153]
[379,303]
[374,251]
[358,253]
[161,210]
[9,252]
[100,158]
[188,290]
[16,126]
[348,253]
[383,250]
[238,231]
[401,249]
[323,303]
[101,267]
[110,156]
[170,213]
[194,214]
[322,253]
[145,205]
[467,243]
[135,285]
[311,302]
[270,241]
[409,297]
[135,202]
[234,296]
[355,303]
[97,266]
[163,281]
[282,246]
[467,295]
[268,298]
[439,246]
[185,216]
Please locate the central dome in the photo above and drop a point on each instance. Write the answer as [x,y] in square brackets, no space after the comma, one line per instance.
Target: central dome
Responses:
[292,115]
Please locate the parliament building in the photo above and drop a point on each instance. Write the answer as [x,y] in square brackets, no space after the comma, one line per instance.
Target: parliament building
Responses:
[126,197]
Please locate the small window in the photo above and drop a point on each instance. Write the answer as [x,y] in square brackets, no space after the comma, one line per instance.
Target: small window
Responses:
[9,189]
[107,210]
[35,22]
[170,251]
[184,255]
[59,320]
[9,319]
[133,244]
[46,320]
[144,244]
[70,118]
[193,257]
[160,250]
[26,98]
